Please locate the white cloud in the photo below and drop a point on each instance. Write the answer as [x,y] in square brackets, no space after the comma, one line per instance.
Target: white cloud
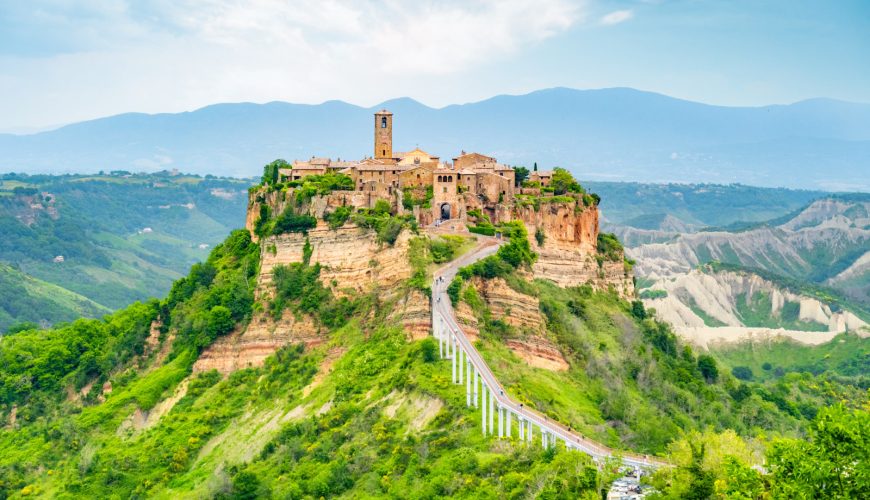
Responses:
[616,17]
[171,55]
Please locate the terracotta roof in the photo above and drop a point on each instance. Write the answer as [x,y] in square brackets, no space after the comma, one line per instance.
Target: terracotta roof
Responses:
[383,112]
[377,161]
[378,168]
[464,154]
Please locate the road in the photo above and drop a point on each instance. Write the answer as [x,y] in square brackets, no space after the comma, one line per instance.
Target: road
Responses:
[444,308]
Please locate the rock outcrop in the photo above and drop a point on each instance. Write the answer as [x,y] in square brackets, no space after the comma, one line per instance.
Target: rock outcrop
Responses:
[352,260]
[710,307]
[523,313]
[353,263]
[569,254]
[251,345]
[516,309]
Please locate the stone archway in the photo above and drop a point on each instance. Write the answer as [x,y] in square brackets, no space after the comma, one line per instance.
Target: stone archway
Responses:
[445,211]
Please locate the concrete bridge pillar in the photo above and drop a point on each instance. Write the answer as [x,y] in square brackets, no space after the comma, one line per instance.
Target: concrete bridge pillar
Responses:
[500,422]
[476,383]
[529,429]
[522,428]
[461,363]
[451,340]
[483,408]
[544,438]
[469,376]
[491,411]
[509,413]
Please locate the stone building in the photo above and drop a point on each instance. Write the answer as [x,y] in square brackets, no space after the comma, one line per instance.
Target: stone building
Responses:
[543,176]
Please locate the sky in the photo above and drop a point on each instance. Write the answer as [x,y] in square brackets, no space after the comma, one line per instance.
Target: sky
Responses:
[64,61]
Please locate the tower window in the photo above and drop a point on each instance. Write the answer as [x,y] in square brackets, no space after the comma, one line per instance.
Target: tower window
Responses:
[383,122]
[383,152]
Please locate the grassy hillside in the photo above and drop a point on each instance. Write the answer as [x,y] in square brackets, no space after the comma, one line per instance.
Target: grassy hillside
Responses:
[30,299]
[368,413]
[847,357]
[122,237]
[634,385]
[644,205]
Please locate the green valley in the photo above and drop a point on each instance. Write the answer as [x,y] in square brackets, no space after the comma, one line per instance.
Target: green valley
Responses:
[110,238]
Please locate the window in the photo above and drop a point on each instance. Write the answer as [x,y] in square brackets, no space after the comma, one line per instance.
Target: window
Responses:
[445,189]
[384,152]
[383,122]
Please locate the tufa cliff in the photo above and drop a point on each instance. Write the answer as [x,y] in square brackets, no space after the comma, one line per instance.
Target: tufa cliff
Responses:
[355,262]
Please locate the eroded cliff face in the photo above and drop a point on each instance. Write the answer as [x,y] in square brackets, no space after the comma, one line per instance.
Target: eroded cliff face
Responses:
[353,262]
[564,225]
[568,256]
[352,259]
[523,313]
[278,201]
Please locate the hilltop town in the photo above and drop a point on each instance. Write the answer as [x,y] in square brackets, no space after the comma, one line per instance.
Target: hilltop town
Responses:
[472,183]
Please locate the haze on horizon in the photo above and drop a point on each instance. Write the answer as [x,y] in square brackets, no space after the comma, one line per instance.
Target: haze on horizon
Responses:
[62,62]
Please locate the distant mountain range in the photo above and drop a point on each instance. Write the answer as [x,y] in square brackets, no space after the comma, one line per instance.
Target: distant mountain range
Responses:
[608,134]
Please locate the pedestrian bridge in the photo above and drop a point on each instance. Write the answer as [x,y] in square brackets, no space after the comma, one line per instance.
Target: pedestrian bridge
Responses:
[482,389]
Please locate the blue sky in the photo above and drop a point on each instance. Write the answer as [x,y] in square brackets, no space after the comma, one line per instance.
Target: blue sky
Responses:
[63,61]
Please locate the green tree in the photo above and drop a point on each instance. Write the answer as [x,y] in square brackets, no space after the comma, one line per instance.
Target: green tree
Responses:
[246,486]
[220,321]
[520,175]
[563,182]
[742,372]
[637,309]
[708,368]
[834,463]
[271,171]
[382,207]
[429,350]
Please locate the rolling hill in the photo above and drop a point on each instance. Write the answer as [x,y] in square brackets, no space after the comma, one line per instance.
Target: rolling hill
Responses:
[106,240]
[608,134]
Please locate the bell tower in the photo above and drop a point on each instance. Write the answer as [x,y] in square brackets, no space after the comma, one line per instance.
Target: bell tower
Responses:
[383,134]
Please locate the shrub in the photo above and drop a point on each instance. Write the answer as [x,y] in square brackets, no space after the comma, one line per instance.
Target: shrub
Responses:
[382,207]
[637,309]
[653,294]
[261,225]
[444,249]
[429,350]
[563,182]
[271,171]
[708,368]
[338,218]
[742,372]
[485,231]
[289,222]
[540,237]
[609,247]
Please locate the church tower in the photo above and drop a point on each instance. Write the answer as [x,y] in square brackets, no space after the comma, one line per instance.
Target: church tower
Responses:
[383,134]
